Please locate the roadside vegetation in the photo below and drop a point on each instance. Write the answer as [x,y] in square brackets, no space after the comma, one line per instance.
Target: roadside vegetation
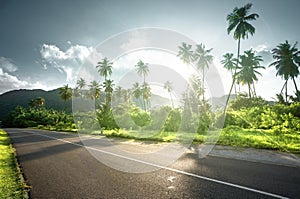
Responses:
[10,183]
[248,120]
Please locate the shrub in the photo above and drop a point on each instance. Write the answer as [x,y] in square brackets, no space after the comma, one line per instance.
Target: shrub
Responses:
[140,117]
[173,121]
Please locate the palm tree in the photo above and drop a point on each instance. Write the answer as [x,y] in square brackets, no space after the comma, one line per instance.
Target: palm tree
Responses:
[142,70]
[136,91]
[146,90]
[196,88]
[65,92]
[108,89]
[229,64]
[40,101]
[94,91]
[287,63]
[168,86]
[203,59]
[185,53]
[37,102]
[126,93]
[247,73]
[104,68]
[118,93]
[80,84]
[238,22]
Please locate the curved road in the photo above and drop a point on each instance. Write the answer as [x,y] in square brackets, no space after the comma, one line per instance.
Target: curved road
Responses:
[56,165]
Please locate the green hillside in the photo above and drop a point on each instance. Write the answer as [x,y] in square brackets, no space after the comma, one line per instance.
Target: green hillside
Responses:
[11,99]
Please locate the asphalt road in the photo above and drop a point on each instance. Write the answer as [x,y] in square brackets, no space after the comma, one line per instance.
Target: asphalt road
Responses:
[56,165]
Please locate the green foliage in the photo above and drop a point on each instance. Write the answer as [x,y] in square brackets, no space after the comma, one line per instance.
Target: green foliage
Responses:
[257,138]
[32,117]
[295,109]
[122,116]
[10,100]
[158,118]
[205,118]
[10,183]
[105,117]
[140,117]
[173,121]
[281,117]
[242,101]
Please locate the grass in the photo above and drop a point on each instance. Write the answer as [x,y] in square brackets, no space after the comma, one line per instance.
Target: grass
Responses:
[259,138]
[230,136]
[10,183]
[286,140]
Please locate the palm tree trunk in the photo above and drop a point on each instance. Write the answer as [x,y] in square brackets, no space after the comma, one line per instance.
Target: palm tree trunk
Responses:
[234,84]
[233,79]
[249,90]
[282,87]
[171,100]
[144,104]
[203,81]
[254,91]
[296,88]
[286,100]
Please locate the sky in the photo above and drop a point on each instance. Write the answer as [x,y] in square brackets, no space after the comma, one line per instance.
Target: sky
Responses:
[43,44]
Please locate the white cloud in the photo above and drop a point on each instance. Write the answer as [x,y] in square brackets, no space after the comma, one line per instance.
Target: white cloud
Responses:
[68,61]
[10,82]
[7,65]
[138,39]
[261,47]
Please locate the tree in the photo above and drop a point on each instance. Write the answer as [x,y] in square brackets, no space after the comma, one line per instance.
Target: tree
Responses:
[142,70]
[118,93]
[238,22]
[80,84]
[136,91]
[247,73]
[185,53]
[203,59]
[168,86]
[229,64]
[287,63]
[126,94]
[108,89]
[146,90]
[38,102]
[104,68]
[94,91]
[65,92]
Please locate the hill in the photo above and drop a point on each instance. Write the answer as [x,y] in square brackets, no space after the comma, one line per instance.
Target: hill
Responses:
[22,97]
[11,99]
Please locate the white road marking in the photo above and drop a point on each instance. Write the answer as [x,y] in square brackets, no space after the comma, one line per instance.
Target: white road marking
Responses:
[168,168]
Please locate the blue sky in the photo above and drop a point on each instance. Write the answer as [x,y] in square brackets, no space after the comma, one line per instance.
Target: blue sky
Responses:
[43,43]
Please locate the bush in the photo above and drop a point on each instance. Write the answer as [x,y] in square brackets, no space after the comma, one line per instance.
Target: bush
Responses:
[32,117]
[173,121]
[243,101]
[140,117]
[158,118]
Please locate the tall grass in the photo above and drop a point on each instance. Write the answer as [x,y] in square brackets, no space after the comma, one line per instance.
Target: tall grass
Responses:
[10,183]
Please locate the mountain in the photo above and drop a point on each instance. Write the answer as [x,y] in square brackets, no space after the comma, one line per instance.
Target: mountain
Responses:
[11,99]
[219,102]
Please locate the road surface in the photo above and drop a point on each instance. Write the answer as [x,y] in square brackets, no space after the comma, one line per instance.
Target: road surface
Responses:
[57,165]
